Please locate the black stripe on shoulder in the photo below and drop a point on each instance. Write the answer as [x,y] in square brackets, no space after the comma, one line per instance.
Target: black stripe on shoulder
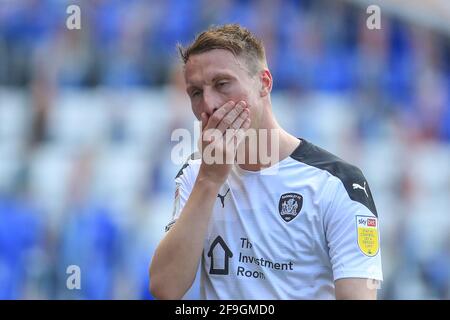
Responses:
[194,156]
[351,176]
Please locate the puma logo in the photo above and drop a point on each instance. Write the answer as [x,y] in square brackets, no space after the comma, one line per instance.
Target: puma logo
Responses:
[222,198]
[358,186]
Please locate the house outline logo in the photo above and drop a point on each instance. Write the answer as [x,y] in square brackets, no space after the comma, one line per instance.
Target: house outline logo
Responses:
[227,255]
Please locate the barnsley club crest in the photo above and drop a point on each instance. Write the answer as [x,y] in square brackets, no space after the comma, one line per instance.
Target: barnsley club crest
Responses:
[290,205]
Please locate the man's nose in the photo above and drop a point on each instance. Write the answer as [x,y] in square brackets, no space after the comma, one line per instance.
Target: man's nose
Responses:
[210,102]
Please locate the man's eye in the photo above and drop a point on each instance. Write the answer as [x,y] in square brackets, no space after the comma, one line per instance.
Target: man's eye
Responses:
[222,83]
[195,93]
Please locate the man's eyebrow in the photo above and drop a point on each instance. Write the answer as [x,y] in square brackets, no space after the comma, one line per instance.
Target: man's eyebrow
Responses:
[221,76]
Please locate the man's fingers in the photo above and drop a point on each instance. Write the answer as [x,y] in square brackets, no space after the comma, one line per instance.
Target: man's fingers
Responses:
[243,130]
[240,119]
[218,115]
[226,144]
[231,116]
[236,135]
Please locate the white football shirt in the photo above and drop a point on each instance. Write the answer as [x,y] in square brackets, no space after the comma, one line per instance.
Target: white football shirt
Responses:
[288,231]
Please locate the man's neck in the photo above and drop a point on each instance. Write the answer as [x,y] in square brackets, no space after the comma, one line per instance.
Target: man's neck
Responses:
[273,145]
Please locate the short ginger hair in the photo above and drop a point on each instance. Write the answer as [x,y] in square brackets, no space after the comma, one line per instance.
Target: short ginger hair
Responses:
[232,37]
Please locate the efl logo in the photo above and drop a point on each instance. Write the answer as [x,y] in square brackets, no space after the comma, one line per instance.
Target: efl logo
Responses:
[371,222]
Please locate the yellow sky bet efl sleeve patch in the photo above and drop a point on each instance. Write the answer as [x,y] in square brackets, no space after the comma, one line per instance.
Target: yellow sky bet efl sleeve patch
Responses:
[367,228]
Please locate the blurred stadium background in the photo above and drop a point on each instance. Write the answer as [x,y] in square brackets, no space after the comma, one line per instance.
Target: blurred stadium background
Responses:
[86,118]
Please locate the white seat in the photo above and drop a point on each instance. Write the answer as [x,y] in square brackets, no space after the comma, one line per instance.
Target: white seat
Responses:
[119,176]
[15,116]
[380,163]
[50,171]
[79,119]
[146,119]
[11,161]
[431,167]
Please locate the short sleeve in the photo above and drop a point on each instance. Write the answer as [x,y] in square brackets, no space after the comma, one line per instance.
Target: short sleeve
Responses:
[352,231]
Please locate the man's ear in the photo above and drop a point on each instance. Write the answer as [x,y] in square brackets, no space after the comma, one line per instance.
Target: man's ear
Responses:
[266,82]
